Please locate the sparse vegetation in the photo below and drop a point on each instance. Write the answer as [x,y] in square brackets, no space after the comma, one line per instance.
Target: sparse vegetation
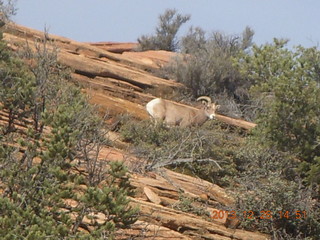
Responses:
[206,152]
[7,9]
[165,37]
[273,197]
[189,205]
[207,68]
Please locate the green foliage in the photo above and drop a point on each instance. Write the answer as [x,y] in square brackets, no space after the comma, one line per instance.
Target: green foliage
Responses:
[16,87]
[189,205]
[165,38]
[206,67]
[32,196]
[284,95]
[286,84]
[27,223]
[268,182]
[206,152]
[39,176]
[110,200]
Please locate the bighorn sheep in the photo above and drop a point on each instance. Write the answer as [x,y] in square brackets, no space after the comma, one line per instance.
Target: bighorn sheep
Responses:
[179,115]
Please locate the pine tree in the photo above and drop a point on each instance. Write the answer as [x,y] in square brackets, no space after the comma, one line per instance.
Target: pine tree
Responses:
[43,196]
[286,84]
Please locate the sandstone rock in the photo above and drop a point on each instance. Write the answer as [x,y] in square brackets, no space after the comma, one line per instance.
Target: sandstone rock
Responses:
[152,196]
[204,196]
[115,47]
[141,230]
[198,186]
[191,225]
[151,59]
[236,122]
[95,67]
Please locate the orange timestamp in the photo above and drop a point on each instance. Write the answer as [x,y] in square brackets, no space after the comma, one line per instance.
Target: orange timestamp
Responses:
[265,214]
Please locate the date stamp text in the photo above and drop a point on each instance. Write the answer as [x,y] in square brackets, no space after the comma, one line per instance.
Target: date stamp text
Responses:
[265,214]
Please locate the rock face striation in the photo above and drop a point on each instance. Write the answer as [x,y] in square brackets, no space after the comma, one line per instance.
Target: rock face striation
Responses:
[120,80]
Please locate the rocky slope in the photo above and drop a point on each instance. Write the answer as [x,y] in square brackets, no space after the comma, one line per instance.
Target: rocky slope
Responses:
[120,80]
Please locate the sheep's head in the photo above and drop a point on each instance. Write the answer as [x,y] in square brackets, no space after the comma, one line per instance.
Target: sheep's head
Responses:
[209,107]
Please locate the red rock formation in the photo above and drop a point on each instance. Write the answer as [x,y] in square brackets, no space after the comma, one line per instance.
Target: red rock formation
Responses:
[118,82]
[115,47]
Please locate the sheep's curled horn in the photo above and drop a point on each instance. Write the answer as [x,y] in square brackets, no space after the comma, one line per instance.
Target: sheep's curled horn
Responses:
[206,99]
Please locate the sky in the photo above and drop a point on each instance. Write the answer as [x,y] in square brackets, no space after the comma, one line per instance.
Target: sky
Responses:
[127,20]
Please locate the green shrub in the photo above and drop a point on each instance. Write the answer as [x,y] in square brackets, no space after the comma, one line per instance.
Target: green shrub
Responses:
[189,205]
[206,67]
[286,85]
[270,193]
[165,38]
[206,152]
[280,166]
[59,132]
